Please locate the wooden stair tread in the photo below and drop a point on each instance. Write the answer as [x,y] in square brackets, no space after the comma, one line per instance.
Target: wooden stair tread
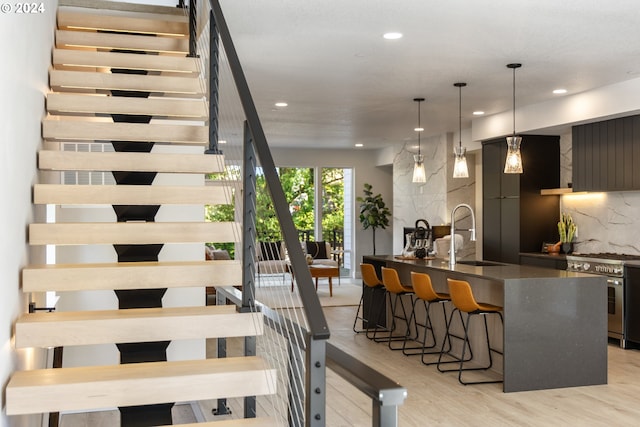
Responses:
[104,131]
[122,21]
[157,107]
[86,39]
[88,58]
[240,422]
[59,329]
[62,79]
[76,389]
[130,275]
[138,162]
[59,194]
[121,6]
[131,233]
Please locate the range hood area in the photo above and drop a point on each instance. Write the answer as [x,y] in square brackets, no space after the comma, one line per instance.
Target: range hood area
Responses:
[605,157]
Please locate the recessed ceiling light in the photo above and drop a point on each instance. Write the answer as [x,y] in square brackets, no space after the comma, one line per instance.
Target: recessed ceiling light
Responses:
[392,36]
[478,113]
[281,104]
[559,91]
[419,129]
[359,145]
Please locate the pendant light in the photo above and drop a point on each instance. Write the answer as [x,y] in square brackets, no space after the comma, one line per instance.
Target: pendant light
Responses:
[419,174]
[460,169]
[513,164]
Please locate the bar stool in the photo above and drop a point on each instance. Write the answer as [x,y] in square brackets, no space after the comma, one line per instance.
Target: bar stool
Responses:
[395,291]
[425,294]
[373,285]
[464,301]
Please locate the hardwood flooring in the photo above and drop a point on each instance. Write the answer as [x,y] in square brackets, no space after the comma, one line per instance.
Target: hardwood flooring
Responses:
[438,399]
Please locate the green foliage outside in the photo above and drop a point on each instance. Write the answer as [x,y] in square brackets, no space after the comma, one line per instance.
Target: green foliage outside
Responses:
[298,186]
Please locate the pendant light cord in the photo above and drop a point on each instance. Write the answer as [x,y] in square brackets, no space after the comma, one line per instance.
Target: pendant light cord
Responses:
[460,116]
[419,127]
[514,101]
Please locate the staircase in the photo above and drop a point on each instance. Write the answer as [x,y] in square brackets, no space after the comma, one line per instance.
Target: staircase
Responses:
[120,75]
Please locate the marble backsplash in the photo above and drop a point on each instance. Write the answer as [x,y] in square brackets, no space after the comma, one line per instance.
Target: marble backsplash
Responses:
[434,199]
[607,222]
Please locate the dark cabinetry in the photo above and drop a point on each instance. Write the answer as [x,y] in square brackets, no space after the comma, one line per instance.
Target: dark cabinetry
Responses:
[631,307]
[605,157]
[516,218]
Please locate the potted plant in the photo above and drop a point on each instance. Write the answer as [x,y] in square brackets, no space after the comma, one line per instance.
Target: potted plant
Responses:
[373,212]
[567,230]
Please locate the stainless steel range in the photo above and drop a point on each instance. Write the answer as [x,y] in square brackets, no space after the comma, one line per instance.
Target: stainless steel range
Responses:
[612,266]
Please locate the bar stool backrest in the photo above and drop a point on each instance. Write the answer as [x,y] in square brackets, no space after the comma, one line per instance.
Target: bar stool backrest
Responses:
[391,281]
[369,276]
[422,286]
[462,296]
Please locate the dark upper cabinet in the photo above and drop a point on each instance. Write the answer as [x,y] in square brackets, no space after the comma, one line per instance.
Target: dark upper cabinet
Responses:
[516,218]
[605,157]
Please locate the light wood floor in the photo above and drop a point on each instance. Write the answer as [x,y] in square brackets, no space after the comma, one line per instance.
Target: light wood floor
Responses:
[438,399]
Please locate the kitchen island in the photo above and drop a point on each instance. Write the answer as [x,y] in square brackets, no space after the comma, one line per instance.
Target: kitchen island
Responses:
[555,322]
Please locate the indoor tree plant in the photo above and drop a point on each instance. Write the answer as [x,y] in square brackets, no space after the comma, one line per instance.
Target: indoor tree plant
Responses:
[373,212]
[567,230]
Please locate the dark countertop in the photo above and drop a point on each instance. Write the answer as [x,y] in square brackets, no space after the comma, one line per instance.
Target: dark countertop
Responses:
[500,272]
[555,321]
[544,255]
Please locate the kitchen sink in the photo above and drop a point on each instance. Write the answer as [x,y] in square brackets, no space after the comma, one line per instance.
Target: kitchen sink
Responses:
[480,263]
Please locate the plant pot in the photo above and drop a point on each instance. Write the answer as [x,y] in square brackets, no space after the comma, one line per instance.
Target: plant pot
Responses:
[567,247]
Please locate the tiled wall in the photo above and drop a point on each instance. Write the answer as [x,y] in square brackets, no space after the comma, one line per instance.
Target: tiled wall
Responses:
[434,199]
[607,222]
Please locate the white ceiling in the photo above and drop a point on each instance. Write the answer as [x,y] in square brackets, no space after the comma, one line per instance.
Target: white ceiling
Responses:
[345,84]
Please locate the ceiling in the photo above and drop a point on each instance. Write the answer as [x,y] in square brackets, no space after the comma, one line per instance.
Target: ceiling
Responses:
[345,84]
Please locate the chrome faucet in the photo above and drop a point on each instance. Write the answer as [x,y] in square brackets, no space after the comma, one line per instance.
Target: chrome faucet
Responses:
[452,246]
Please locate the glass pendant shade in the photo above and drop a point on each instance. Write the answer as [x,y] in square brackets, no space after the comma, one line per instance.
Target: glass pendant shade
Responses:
[460,169]
[513,163]
[419,174]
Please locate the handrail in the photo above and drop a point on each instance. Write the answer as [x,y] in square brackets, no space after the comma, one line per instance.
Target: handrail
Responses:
[319,329]
[386,394]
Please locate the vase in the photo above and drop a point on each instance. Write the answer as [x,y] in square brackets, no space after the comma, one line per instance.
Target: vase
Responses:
[567,247]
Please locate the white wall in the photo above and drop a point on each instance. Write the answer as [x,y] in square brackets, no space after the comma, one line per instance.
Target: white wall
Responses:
[26,42]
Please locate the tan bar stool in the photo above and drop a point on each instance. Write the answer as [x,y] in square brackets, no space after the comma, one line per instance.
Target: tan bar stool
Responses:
[464,302]
[395,292]
[374,285]
[425,294]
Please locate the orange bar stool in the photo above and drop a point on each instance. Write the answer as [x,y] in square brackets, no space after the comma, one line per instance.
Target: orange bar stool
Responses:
[425,294]
[395,292]
[374,285]
[464,302]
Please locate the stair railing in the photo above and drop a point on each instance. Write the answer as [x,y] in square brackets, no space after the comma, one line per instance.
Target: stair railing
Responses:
[307,354]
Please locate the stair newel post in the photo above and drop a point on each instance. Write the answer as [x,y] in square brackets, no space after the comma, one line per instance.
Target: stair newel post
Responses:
[192,29]
[248,248]
[214,51]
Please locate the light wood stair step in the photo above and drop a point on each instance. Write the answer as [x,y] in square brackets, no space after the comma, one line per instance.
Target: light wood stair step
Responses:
[137,162]
[119,21]
[78,389]
[61,80]
[60,329]
[240,422]
[87,58]
[121,6]
[57,194]
[104,131]
[89,39]
[157,107]
[130,275]
[130,233]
